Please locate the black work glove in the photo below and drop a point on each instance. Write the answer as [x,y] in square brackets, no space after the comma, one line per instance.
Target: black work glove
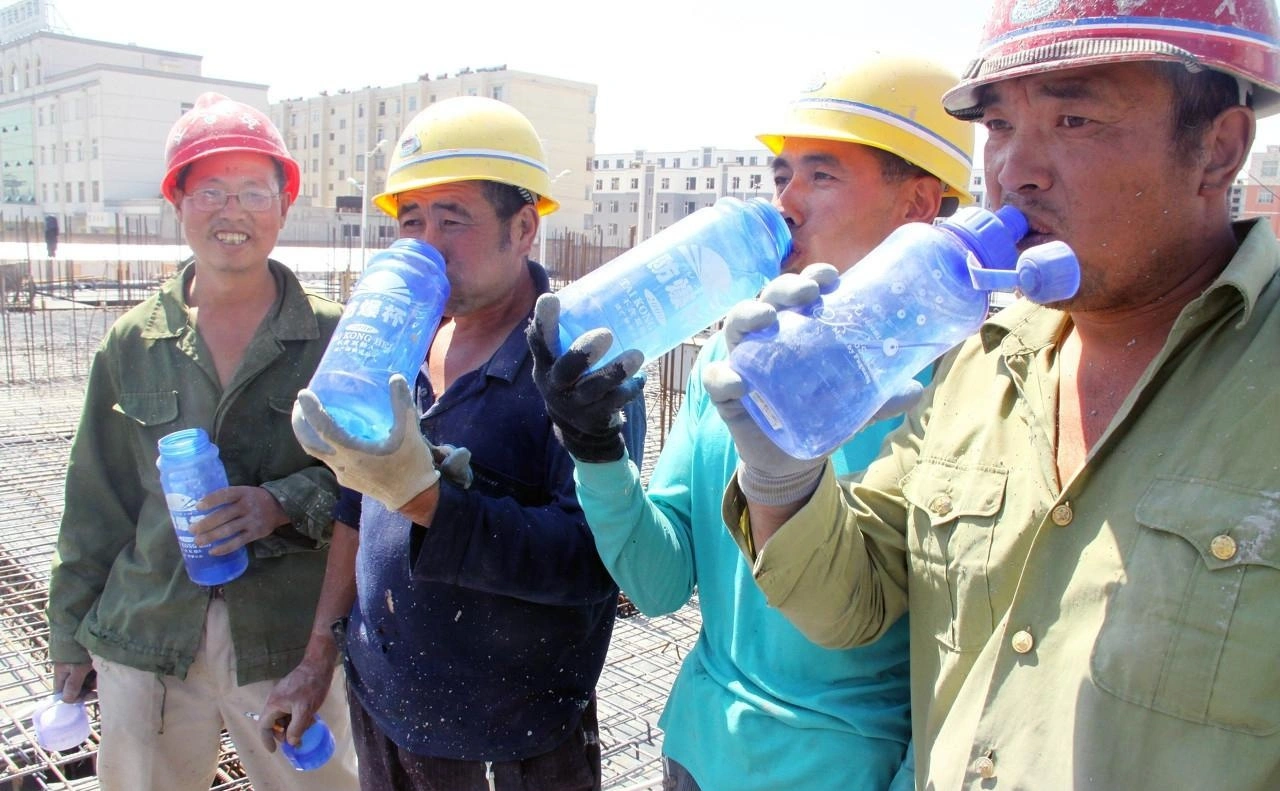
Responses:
[586,410]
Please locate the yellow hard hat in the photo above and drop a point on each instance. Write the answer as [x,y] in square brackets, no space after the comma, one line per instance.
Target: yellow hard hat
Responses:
[468,138]
[893,103]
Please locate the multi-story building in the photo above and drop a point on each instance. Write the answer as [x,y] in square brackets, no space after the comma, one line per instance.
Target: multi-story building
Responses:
[1259,187]
[637,194]
[83,123]
[335,136]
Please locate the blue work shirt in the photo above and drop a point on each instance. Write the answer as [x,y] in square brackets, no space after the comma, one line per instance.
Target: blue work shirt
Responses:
[482,637]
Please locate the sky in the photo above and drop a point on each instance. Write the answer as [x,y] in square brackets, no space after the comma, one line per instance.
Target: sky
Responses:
[671,74]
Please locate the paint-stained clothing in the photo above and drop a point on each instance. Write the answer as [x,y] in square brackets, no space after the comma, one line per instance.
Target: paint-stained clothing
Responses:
[482,637]
[1116,630]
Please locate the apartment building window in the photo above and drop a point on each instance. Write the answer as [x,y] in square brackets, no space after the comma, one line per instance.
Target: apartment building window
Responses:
[315,116]
[613,206]
[635,207]
[754,161]
[977,180]
[68,192]
[690,207]
[691,183]
[1269,168]
[735,183]
[342,123]
[382,108]
[711,183]
[315,140]
[359,111]
[635,184]
[665,183]
[96,194]
[676,162]
[620,165]
[342,148]
[599,207]
[80,190]
[755,181]
[330,161]
[599,184]
[662,162]
[315,165]
[664,207]
[497,92]
[614,184]
[360,162]
[1266,196]
[331,137]
[613,229]
[413,103]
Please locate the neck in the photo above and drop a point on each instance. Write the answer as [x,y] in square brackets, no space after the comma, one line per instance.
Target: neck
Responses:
[225,291]
[498,317]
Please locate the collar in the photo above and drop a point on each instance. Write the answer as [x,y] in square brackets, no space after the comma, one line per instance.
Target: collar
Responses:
[291,319]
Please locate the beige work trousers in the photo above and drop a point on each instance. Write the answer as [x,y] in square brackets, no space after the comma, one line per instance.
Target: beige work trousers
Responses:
[162,733]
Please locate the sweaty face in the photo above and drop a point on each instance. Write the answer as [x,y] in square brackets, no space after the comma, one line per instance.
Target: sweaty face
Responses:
[483,255]
[231,238]
[835,201]
[1087,154]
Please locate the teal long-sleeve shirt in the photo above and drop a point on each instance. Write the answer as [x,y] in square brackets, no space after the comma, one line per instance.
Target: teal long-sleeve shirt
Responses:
[756,706]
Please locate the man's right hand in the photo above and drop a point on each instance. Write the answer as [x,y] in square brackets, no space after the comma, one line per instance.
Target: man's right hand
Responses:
[766,474]
[71,679]
[585,408]
[295,698]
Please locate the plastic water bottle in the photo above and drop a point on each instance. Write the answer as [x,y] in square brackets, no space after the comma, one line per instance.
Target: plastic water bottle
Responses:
[315,749]
[386,328]
[675,284]
[818,377]
[60,726]
[189,470]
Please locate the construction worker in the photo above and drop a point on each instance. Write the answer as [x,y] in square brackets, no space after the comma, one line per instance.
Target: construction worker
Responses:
[757,706]
[223,346]
[1083,511]
[482,614]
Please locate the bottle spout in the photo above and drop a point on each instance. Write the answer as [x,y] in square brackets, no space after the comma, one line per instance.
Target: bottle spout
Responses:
[1048,272]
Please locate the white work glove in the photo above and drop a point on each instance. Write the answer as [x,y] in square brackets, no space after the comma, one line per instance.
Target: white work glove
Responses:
[766,474]
[393,470]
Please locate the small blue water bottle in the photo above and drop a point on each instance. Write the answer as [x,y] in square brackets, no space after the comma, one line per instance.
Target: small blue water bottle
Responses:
[820,375]
[386,328]
[190,469]
[675,284]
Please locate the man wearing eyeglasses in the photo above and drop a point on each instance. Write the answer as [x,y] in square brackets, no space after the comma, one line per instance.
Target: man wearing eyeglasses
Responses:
[224,345]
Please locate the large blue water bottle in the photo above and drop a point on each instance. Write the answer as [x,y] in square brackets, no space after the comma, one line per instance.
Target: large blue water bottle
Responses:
[818,377]
[386,328]
[190,469]
[675,284]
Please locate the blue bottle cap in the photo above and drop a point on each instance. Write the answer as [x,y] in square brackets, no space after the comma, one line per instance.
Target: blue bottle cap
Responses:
[315,749]
[992,237]
[1048,272]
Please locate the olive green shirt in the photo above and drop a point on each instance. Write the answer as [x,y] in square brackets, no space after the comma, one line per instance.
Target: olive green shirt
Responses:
[1120,632]
[118,587]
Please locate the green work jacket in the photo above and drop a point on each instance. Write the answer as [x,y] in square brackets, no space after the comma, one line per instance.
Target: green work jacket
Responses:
[1115,631]
[118,586]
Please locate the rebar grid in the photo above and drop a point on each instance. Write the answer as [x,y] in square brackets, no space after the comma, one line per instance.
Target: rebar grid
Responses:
[44,362]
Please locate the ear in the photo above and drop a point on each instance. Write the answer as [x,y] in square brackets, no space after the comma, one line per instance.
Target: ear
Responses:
[1227,145]
[285,205]
[922,199]
[177,205]
[524,228]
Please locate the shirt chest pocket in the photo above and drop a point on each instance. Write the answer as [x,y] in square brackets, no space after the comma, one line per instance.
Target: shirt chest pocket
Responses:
[1190,629]
[953,510]
[155,413]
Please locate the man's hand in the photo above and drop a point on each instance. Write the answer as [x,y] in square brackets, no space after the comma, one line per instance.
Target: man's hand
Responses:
[244,514]
[585,408]
[766,474]
[296,698]
[393,470]
[71,680]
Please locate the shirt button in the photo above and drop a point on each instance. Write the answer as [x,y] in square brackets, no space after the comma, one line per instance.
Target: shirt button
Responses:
[1022,641]
[1062,515]
[986,767]
[941,505]
[1223,547]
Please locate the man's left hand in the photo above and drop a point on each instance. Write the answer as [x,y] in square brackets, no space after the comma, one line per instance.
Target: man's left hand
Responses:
[244,514]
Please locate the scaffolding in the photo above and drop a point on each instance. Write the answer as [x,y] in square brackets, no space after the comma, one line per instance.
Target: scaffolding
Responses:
[44,362]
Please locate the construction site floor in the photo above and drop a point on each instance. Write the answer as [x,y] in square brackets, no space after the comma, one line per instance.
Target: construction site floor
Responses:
[44,359]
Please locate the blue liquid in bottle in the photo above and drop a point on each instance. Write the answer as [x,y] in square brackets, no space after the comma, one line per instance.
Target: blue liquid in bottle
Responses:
[190,469]
[386,328]
[670,287]
[823,372]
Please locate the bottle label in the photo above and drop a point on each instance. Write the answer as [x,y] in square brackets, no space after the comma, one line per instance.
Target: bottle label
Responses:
[373,328]
[671,283]
[183,512]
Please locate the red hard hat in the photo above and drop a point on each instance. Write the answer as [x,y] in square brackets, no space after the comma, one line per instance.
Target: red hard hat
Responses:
[1022,37]
[218,125]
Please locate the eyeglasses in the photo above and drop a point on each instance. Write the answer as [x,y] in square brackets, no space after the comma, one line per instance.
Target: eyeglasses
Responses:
[212,199]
